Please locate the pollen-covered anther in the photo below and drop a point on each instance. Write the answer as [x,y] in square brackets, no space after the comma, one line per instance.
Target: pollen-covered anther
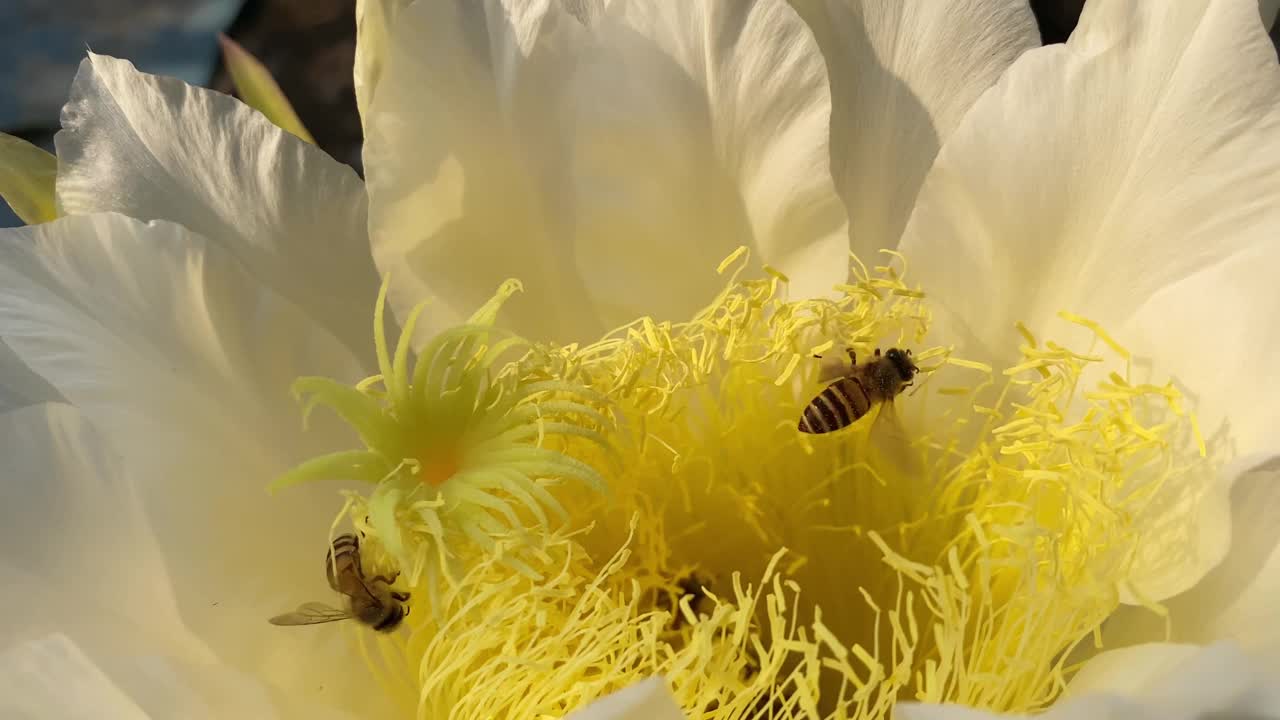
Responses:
[953,546]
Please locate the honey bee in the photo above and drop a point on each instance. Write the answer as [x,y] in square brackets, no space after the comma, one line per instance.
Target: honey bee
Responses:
[370,600]
[857,389]
[692,586]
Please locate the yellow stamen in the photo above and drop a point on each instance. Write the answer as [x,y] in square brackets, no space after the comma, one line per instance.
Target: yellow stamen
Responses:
[954,547]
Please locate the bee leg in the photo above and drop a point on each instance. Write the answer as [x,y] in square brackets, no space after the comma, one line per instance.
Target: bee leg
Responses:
[385,579]
[853,356]
[877,352]
[400,596]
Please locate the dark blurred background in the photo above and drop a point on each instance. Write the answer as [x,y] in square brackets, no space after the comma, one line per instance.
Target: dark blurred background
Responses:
[307,44]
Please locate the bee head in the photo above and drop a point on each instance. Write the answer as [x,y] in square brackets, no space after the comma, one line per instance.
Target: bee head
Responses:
[901,360]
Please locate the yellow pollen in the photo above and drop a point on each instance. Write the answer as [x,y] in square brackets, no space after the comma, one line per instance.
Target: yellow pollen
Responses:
[956,545]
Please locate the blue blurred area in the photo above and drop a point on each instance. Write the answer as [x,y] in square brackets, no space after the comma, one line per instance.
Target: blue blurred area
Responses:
[43,41]
[7,218]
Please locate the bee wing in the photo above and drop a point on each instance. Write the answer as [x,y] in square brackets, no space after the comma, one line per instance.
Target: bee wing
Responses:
[832,368]
[312,613]
[892,441]
[887,422]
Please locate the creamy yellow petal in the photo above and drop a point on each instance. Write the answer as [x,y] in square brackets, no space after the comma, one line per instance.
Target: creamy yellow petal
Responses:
[1150,682]
[373,18]
[51,678]
[903,73]
[153,147]
[1176,681]
[19,386]
[184,360]
[63,491]
[1235,601]
[609,163]
[55,677]
[1148,149]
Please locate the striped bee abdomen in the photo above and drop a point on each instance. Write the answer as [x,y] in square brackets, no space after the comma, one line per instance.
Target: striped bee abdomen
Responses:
[838,406]
[342,560]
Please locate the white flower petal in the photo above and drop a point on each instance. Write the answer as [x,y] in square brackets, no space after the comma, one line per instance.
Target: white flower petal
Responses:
[19,386]
[914,711]
[76,546]
[460,147]
[1150,682]
[1236,600]
[1210,330]
[611,166]
[1214,330]
[167,687]
[52,679]
[648,699]
[86,584]
[1228,304]
[164,341]
[373,18]
[1251,618]
[1097,172]
[903,73]
[1141,669]
[700,127]
[156,148]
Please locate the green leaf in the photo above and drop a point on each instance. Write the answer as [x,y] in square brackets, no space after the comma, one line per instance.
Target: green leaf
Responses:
[26,179]
[259,90]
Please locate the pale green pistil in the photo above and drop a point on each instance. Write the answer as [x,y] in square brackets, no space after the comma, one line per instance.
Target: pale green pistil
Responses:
[460,446]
